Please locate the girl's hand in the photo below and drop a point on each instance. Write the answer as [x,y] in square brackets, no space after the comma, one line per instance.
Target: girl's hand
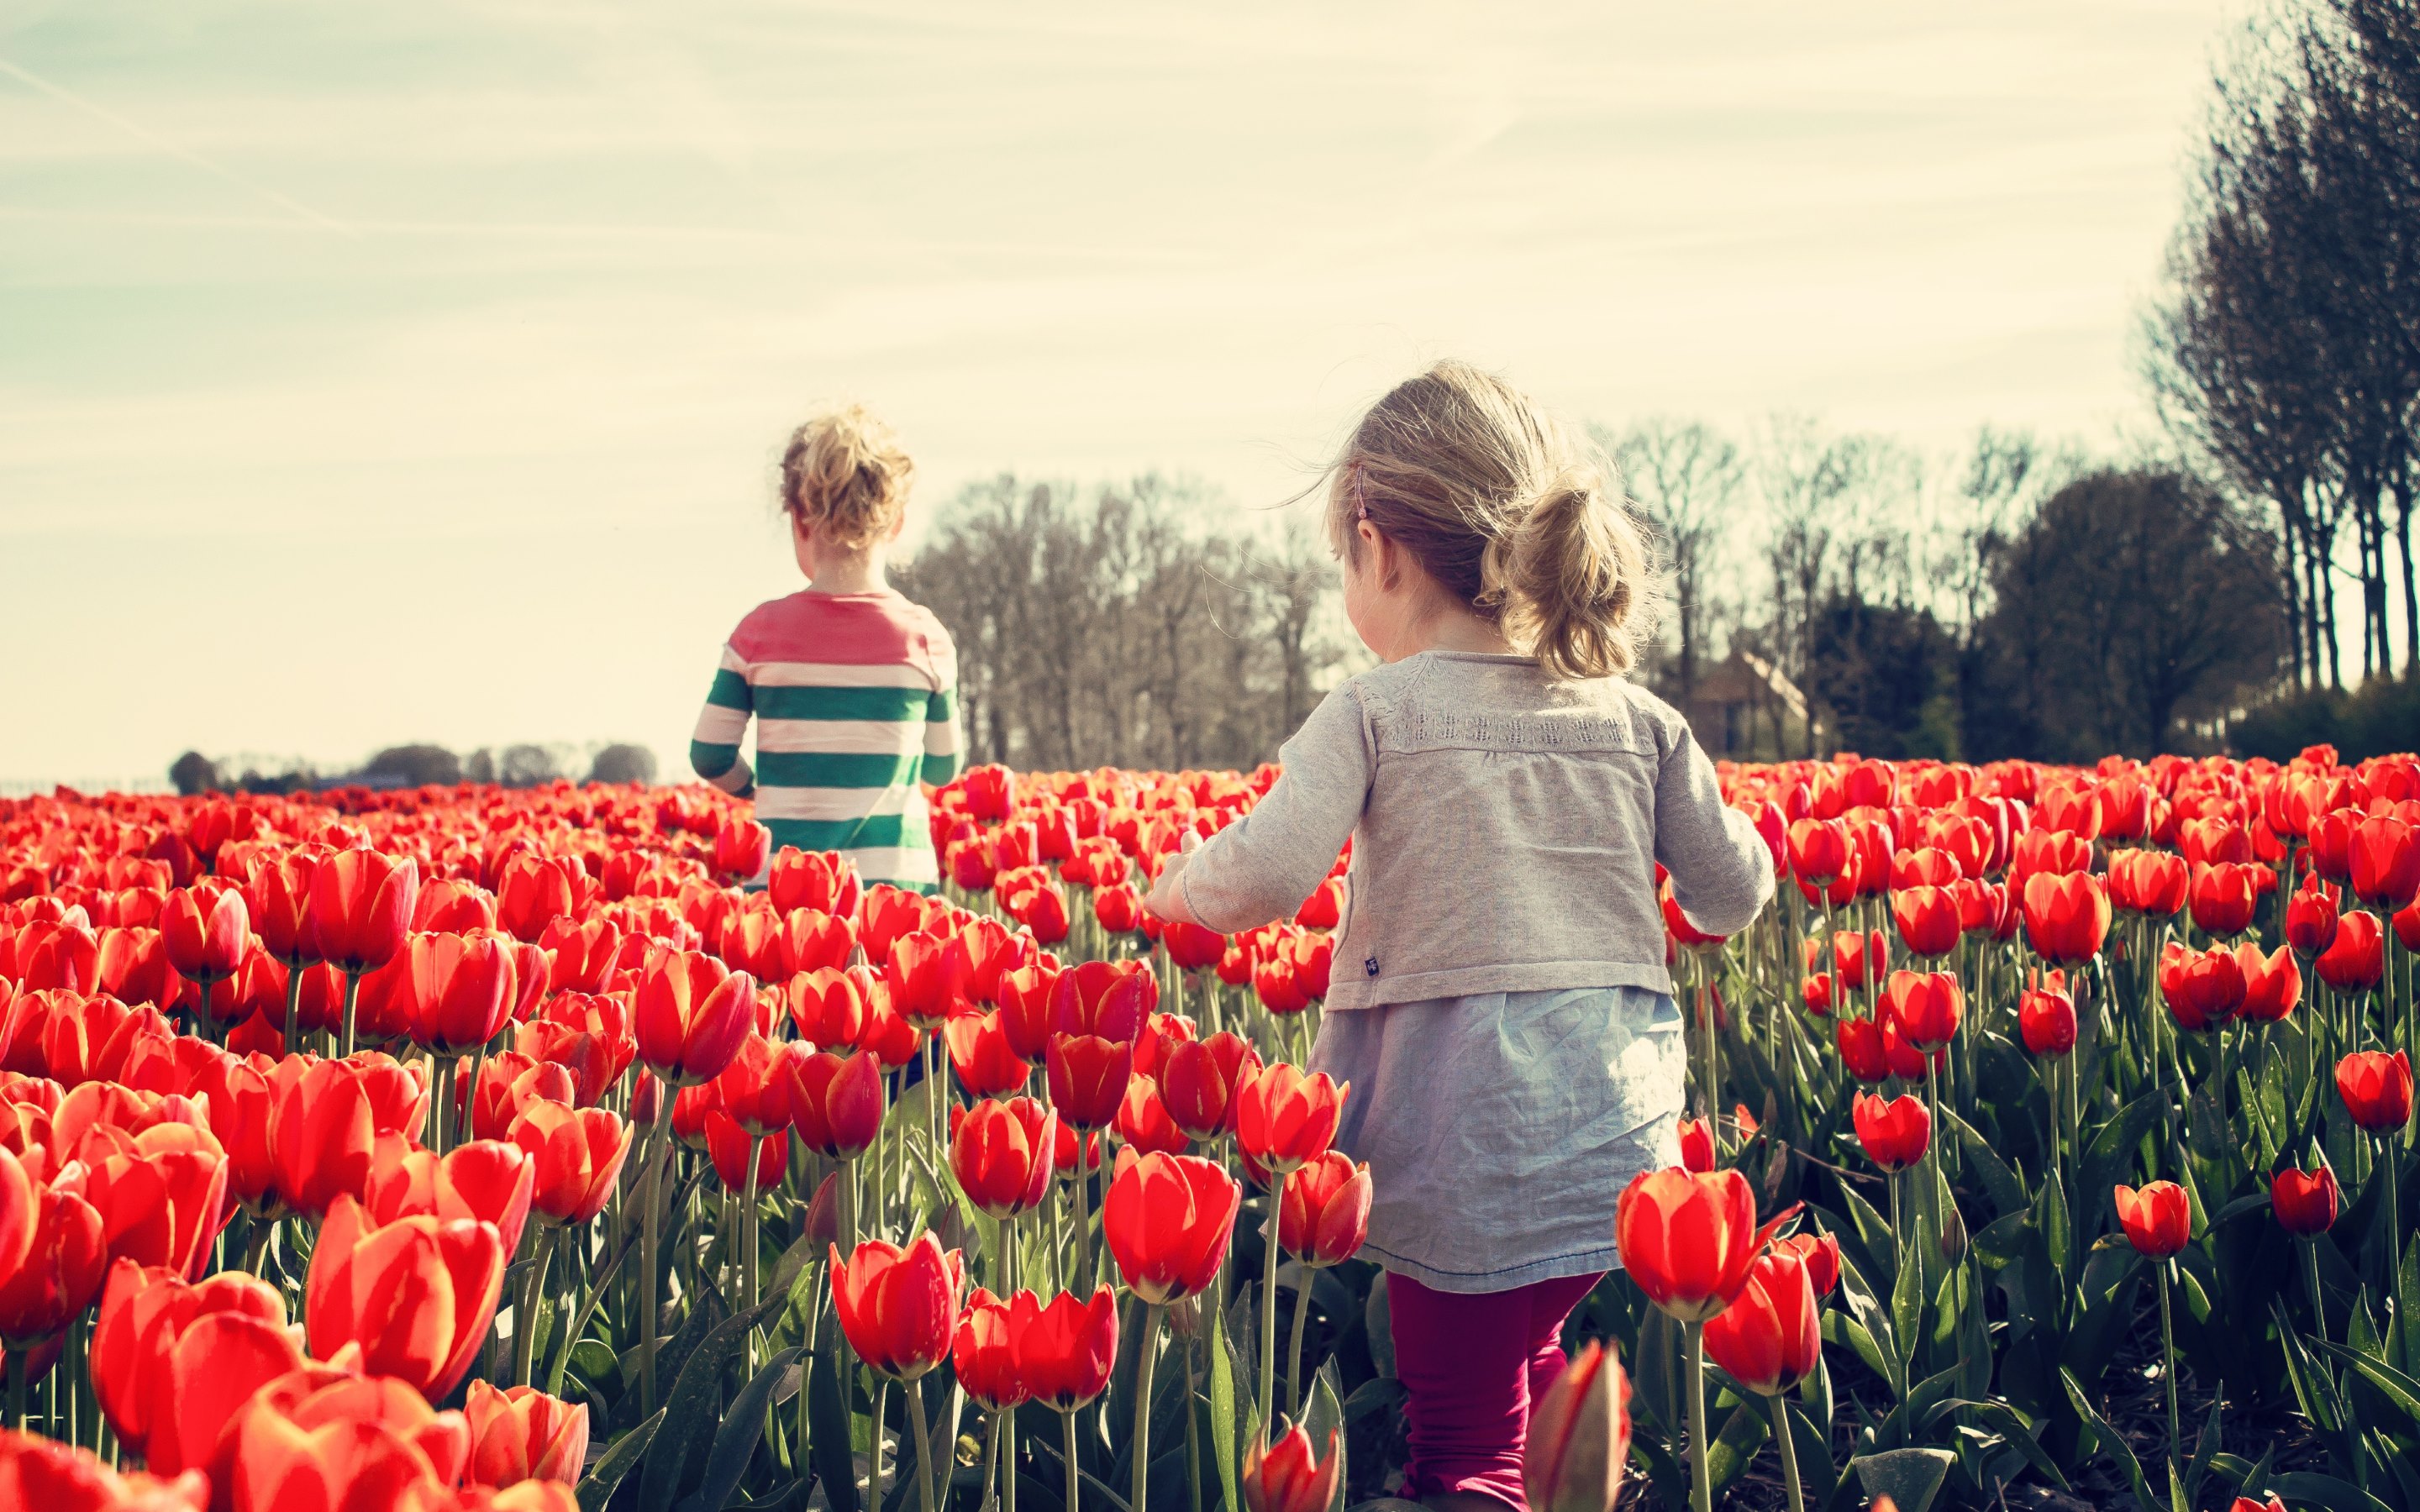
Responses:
[1165,899]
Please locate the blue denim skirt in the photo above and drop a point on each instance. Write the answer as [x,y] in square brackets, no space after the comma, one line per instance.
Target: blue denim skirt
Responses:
[1500,1128]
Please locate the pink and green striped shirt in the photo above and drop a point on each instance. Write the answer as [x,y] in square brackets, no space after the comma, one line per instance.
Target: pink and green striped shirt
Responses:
[854,698]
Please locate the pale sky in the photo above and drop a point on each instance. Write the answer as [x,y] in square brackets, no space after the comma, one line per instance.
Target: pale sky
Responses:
[381,372]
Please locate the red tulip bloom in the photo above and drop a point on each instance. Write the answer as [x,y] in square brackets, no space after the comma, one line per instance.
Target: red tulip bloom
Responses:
[927,974]
[416,1295]
[323,1135]
[481,1181]
[361,907]
[1819,850]
[1895,1133]
[1285,1119]
[1856,955]
[1103,998]
[449,905]
[162,1195]
[464,988]
[824,881]
[2385,856]
[691,1015]
[520,1433]
[1820,1254]
[730,1147]
[1192,947]
[1697,1145]
[205,936]
[1288,1478]
[36,1472]
[1926,1006]
[2311,917]
[742,848]
[167,1382]
[532,892]
[1862,1051]
[1119,909]
[65,1253]
[1770,1337]
[318,1438]
[984,1354]
[835,1105]
[2203,989]
[899,1307]
[2375,1089]
[576,1155]
[1323,1214]
[1579,1436]
[2067,916]
[1928,920]
[1002,1156]
[2303,1201]
[1688,1239]
[1065,1350]
[1142,1121]
[828,1007]
[1167,1219]
[2148,882]
[2355,961]
[980,1053]
[278,899]
[1201,1080]
[2224,897]
[2273,984]
[2157,1219]
[1088,1078]
[2046,1017]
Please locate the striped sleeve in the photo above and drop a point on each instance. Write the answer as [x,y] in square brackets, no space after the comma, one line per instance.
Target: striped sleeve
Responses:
[714,747]
[944,736]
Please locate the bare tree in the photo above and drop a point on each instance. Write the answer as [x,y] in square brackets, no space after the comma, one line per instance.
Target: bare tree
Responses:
[1688,478]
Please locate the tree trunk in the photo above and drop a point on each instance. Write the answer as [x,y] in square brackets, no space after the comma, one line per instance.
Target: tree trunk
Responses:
[2411,591]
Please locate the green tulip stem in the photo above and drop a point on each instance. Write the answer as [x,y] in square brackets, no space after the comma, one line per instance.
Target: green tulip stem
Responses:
[1079,1281]
[915,1390]
[991,1465]
[2168,1376]
[650,1220]
[352,991]
[874,1440]
[2387,1163]
[1067,1422]
[2311,1280]
[1701,1484]
[1293,1350]
[1008,1460]
[1145,1361]
[1269,1311]
[17,1390]
[293,1004]
[525,1308]
[1787,1443]
[748,1258]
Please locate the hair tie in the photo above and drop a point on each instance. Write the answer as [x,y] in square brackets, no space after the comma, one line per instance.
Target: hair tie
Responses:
[1353,489]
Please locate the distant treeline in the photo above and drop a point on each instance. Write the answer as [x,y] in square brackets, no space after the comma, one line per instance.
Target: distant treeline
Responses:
[420,766]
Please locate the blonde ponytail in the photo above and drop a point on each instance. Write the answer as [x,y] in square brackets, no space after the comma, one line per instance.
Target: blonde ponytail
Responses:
[1507,511]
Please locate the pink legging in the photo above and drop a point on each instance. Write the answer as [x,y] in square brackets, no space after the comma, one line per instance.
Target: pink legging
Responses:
[1473,1363]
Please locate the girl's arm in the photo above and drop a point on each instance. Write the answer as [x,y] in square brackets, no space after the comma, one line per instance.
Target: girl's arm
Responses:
[1722,875]
[714,747]
[944,736]
[1263,865]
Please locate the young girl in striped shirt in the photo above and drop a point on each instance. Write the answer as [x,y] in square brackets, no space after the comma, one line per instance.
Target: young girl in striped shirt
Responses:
[853,687]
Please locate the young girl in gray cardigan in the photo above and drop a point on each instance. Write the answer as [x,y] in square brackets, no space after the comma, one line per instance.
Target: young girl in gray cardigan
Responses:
[1499,1000]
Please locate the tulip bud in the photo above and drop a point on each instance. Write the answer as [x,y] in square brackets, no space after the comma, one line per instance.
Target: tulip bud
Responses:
[1579,1437]
[823,1213]
[1953,1235]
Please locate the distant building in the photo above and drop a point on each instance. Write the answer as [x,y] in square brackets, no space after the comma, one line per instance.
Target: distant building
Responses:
[1743,708]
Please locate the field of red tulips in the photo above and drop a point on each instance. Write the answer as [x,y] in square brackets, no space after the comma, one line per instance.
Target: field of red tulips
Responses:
[466,1149]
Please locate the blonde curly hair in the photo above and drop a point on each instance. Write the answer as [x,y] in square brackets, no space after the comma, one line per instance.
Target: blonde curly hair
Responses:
[845,477]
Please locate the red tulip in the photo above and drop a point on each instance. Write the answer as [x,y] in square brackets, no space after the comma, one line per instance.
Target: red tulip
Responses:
[1820,1254]
[1288,1478]
[416,1294]
[205,936]
[729,1146]
[1201,1082]
[2355,961]
[828,1007]
[482,1181]
[983,1354]
[741,850]
[520,1433]
[2157,1219]
[835,1105]
[2046,1017]
[1285,1119]
[41,1473]
[1002,1155]
[2147,882]
[1323,1214]
[1119,909]
[171,1361]
[1142,1121]
[2375,1089]
[19,1211]
[464,987]
[1064,1351]
[1688,1239]
[2311,919]
[899,1307]
[2067,916]
[692,1013]
[162,1195]
[361,906]
[1927,920]
[62,1267]
[980,1053]
[2273,984]
[1895,1133]
[2303,1201]
[1088,1078]
[1862,1052]
[2385,856]
[1819,850]
[324,1134]
[576,1156]
[2203,989]
[2224,897]
[319,1439]
[1167,1219]
[1926,1007]
[1697,1145]
[1579,1436]
[824,881]
[278,899]
[532,892]
[1854,956]
[1770,1337]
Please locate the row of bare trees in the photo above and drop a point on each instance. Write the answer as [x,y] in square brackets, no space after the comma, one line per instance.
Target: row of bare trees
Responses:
[1129,624]
[2286,348]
